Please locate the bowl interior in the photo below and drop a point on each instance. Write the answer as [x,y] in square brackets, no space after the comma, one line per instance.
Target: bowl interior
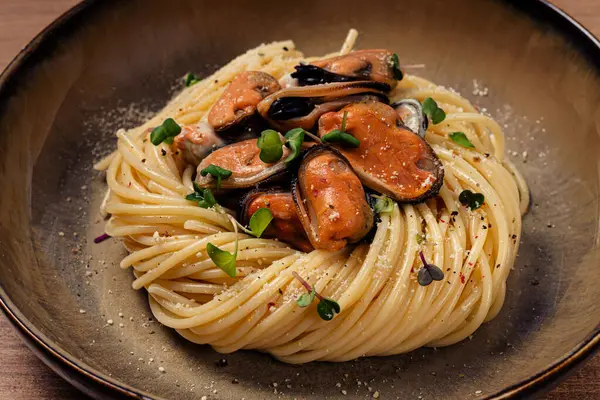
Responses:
[117,62]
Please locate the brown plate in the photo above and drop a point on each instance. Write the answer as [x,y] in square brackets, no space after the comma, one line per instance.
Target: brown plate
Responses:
[66,93]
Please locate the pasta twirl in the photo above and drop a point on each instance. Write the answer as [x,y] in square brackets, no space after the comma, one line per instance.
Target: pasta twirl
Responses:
[384,310]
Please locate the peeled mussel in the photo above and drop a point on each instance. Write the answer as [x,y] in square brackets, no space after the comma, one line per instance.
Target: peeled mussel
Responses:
[411,115]
[286,225]
[295,107]
[330,200]
[233,111]
[197,141]
[242,159]
[362,65]
[390,159]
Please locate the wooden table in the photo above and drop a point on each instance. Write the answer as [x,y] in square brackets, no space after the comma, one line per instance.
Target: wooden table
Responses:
[23,376]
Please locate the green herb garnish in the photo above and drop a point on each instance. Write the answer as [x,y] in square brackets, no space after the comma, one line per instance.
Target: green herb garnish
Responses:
[217,173]
[190,79]
[293,140]
[461,139]
[340,135]
[327,308]
[421,237]
[471,200]
[204,197]
[396,67]
[270,146]
[260,220]
[306,299]
[165,132]
[429,272]
[383,204]
[223,259]
[431,109]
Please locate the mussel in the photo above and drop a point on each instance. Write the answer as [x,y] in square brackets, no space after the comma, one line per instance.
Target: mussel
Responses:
[390,158]
[197,141]
[302,106]
[234,110]
[411,115]
[330,200]
[286,225]
[243,160]
[361,65]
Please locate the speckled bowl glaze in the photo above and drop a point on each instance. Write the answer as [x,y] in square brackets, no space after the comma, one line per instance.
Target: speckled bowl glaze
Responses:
[111,63]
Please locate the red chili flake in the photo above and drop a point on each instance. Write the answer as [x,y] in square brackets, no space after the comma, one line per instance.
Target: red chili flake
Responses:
[462,278]
[470,264]
[74,250]
[442,221]
[315,193]
[271,304]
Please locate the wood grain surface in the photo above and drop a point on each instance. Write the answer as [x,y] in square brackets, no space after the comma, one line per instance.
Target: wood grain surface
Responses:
[24,377]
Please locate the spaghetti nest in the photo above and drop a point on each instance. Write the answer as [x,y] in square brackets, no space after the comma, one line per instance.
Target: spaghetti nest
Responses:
[384,310]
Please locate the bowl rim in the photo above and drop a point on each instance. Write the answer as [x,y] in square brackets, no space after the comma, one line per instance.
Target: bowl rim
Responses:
[79,373]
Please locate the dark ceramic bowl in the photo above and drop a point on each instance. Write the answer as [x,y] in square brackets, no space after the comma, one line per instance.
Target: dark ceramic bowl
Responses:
[64,95]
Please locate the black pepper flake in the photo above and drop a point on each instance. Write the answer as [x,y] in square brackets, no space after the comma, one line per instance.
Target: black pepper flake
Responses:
[143,160]
[513,236]
[489,225]
[498,266]
[454,213]
[285,48]
[535,282]
[235,381]
[261,54]
[476,159]
[222,362]
[487,155]
[216,81]
[163,152]
[484,227]
[280,291]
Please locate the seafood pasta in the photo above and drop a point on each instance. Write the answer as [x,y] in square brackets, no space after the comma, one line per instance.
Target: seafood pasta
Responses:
[317,208]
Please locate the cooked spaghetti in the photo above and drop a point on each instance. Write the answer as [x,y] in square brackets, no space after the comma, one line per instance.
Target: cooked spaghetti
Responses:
[384,309]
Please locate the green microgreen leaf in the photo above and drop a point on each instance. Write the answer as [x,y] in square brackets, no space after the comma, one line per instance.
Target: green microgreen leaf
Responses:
[260,220]
[294,139]
[340,136]
[396,67]
[471,200]
[383,204]
[190,79]
[327,309]
[431,109]
[428,272]
[270,145]
[217,173]
[165,132]
[461,139]
[306,299]
[223,259]
[204,197]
